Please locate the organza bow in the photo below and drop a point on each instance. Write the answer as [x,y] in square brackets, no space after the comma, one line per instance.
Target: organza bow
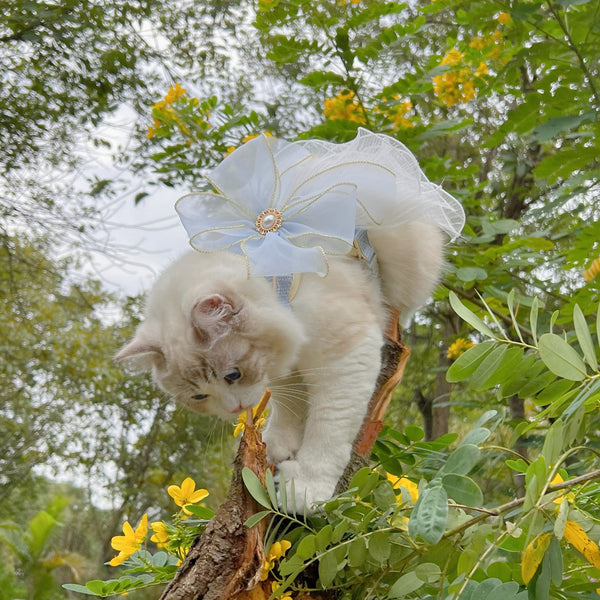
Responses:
[286,206]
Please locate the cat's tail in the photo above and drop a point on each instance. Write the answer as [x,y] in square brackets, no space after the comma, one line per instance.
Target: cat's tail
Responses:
[410,258]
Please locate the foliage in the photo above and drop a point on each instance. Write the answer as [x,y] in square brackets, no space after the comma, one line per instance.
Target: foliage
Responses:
[499,102]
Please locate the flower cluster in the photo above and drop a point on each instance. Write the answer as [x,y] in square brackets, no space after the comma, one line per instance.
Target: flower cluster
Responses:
[175,538]
[458,347]
[456,85]
[344,106]
[177,111]
[403,482]
[245,139]
[397,112]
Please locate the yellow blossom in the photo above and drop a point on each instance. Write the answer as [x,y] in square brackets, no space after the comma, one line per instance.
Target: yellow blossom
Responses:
[276,552]
[129,543]
[230,149]
[275,586]
[504,18]
[243,419]
[453,57]
[186,494]
[410,486]
[175,92]
[354,1]
[481,70]
[344,107]
[479,43]
[460,346]
[593,271]
[161,535]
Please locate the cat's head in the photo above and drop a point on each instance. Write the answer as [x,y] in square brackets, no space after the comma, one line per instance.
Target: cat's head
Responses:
[215,352]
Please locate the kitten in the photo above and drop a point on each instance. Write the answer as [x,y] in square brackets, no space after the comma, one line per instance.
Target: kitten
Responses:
[214,339]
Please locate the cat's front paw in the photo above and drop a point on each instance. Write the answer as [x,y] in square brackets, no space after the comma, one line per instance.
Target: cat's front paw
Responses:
[310,486]
[281,448]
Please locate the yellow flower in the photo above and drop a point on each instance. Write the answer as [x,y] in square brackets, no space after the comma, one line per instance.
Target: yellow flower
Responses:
[460,346]
[354,1]
[344,107]
[504,18]
[453,57]
[481,70]
[129,543]
[275,586]
[254,135]
[276,551]
[410,486]
[175,92]
[479,43]
[243,419]
[230,149]
[186,494]
[593,271]
[161,536]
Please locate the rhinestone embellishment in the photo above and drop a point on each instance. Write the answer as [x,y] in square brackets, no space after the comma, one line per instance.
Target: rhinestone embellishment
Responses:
[269,220]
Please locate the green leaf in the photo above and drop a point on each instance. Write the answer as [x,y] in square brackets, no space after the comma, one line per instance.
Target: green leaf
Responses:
[327,569]
[307,547]
[407,584]
[82,589]
[270,485]
[432,514]
[560,358]
[323,537]
[379,546]
[428,572]
[462,460]
[466,363]
[256,518]
[96,586]
[553,443]
[471,274]
[584,338]
[555,559]
[255,488]
[462,489]
[496,367]
[357,553]
[476,436]
[552,127]
[202,512]
[469,316]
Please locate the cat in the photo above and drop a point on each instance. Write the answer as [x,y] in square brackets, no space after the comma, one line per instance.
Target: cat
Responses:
[214,339]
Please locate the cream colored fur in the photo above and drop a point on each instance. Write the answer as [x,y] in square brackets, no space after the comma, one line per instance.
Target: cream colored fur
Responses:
[205,321]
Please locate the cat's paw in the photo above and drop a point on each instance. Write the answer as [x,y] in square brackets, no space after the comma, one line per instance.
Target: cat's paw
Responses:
[310,486]
[281,448]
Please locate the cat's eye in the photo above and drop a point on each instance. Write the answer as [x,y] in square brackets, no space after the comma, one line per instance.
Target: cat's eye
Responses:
[200,396]
[233,376]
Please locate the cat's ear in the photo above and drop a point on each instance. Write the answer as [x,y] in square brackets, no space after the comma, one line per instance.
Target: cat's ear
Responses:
[141,355]
[213,317]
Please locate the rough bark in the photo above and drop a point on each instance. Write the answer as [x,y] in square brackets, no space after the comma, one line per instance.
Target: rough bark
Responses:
[225,562]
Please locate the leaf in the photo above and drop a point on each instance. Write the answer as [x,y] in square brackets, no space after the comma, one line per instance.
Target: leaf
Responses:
[408,583]
[552,127]
[255,487]
[501,369]
[469,316]
[428,572]
[307,547]
[476,436]
[578,538]
[560,358]
[82,589]
[471,273]
[270,485]
[323,537]
[432,514]
[202,512]
[510,300]
[462,460]
[553,444]
[379,546]
[467,362]
[487,369]
[533,555]
[327,569]
[357,552]
[561,520]
[462,489]
[584,338]
[256,518]
[555,559]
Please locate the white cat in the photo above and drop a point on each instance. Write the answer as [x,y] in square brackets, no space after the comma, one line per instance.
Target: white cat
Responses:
[214,339]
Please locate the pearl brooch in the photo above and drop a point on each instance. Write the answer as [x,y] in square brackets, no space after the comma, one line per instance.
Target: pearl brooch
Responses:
[269,220]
